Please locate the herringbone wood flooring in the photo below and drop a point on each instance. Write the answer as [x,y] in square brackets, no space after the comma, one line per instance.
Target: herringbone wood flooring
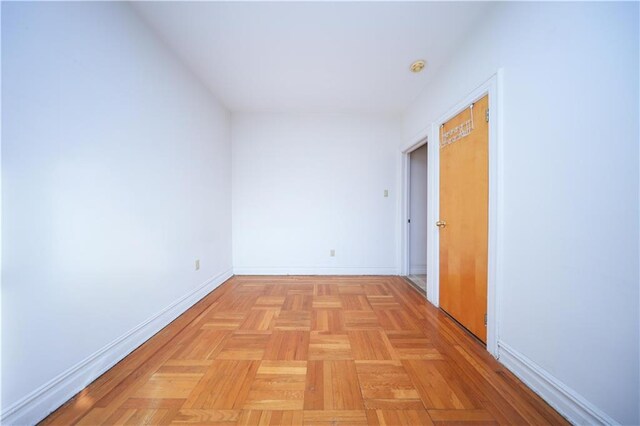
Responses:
[312,351]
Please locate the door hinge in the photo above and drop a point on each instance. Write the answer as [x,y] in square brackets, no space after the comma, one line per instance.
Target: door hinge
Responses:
[486,115]
[408,220]
[485,320]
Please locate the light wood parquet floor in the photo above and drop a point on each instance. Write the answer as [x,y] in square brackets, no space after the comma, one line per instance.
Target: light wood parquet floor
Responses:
[308,351]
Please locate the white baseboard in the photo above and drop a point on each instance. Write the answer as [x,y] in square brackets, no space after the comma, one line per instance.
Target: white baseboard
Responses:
[48,397]
[316,271]
[418,270]
[565,400]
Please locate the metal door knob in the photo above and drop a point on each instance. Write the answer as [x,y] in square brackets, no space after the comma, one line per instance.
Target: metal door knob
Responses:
[441,224]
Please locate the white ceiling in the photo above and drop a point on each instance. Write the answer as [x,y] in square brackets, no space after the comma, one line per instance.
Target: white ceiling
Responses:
[312,57]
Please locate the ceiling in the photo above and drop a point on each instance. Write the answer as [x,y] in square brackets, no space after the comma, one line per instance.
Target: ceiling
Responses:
[312,56]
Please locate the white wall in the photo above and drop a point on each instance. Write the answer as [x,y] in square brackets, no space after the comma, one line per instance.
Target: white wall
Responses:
[115,178]
[418,211]
[570,271]
[306,184]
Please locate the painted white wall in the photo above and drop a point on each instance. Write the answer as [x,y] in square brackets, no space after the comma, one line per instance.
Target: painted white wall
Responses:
[115,178]
[306,184]
[570,272]
[418,211]
[0,205]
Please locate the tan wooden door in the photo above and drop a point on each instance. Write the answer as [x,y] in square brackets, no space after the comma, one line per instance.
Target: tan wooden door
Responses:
[463,219]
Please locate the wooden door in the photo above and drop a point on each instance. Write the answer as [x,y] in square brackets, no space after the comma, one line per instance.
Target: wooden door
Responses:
[463,219]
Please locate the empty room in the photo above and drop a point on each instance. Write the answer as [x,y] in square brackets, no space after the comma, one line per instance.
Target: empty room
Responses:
[320,213]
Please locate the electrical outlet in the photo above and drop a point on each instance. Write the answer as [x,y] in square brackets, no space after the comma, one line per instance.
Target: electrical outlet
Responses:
[332,253]
[197,264]
[386,193]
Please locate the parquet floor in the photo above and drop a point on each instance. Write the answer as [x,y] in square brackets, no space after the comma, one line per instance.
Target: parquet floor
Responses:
[312,351]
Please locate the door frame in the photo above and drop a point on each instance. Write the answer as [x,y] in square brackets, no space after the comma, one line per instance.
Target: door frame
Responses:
[493,88]
[406,205]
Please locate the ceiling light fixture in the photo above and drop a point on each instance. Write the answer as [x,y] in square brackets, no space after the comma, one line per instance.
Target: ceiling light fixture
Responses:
[417,66]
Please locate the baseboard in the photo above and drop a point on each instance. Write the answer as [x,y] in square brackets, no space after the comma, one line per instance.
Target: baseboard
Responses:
[47,398]
[418,270]
[565,400]
[316,271]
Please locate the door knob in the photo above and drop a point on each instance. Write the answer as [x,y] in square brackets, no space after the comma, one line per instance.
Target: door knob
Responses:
[441,224]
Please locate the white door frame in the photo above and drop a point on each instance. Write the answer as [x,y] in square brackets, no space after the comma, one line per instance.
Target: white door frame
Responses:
[406,204]
[492,87]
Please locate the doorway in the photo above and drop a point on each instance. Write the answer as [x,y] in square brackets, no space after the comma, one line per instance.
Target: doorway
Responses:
[417,218]
[431,136]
